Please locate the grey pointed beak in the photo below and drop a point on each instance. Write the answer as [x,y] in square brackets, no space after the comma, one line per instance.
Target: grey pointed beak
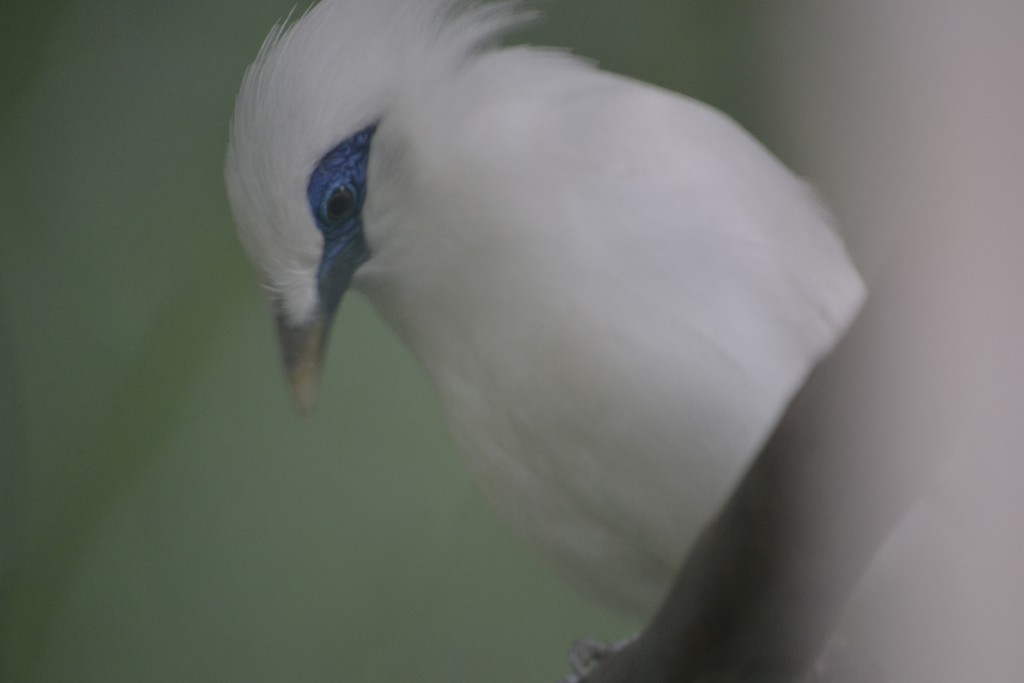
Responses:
[303,348]
[304,345]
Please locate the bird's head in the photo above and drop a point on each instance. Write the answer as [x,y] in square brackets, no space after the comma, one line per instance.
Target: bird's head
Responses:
[301,167]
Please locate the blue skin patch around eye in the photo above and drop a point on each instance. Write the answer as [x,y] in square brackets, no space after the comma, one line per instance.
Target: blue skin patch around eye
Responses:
[340,175]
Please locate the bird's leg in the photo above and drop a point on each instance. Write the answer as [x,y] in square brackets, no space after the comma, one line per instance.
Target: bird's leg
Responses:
[587,653]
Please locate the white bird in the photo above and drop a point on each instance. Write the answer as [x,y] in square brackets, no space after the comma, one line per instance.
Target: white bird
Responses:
[614,288]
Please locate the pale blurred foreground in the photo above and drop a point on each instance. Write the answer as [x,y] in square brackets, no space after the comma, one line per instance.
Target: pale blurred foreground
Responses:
[913,114]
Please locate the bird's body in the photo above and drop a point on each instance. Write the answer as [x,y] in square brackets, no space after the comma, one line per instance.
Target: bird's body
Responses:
[614,288]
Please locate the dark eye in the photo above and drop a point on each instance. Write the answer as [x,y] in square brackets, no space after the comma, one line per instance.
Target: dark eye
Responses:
[341,205]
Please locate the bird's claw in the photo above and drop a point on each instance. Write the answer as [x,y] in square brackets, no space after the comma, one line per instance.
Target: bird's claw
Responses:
[587,653]
[842,662]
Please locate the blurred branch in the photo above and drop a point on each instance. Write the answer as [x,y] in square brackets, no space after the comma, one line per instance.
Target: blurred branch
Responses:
[761,592]
[13,462]
[24,35]
[141,416]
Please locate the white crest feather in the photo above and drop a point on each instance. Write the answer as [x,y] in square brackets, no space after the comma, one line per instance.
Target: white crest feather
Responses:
[315,81]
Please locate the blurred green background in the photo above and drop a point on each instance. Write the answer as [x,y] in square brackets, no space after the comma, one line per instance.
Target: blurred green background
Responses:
[164,513]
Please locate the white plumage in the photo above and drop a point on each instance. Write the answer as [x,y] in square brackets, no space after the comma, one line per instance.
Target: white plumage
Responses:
[614,288]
